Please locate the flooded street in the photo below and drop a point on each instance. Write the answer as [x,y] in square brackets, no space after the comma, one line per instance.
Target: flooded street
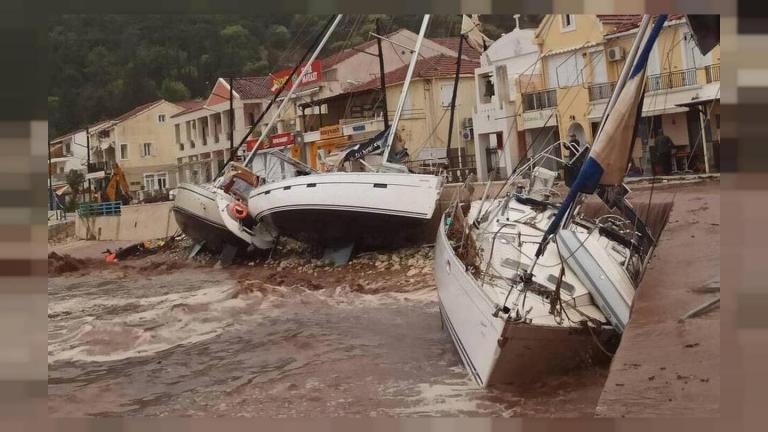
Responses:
[152,338]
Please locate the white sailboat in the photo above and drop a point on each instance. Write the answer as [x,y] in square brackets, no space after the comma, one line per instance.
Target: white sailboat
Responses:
[216,213]
[342,208]
[529,286]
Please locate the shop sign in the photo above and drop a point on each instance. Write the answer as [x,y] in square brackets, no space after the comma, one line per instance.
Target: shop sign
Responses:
[539,118]
[275,141]
[280,140]
[313,75]
[330,132]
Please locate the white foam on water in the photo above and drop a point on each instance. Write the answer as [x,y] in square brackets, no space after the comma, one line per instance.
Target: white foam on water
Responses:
[165,321]
[452,397]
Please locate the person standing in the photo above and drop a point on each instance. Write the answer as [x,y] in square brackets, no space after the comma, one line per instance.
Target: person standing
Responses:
[664,146]
[573,146]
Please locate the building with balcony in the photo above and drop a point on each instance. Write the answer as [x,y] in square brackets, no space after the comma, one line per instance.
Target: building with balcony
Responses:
[424,121]
[582,57]
[141,142]
[206,132]
[507,67]
[67,152]
[346,105]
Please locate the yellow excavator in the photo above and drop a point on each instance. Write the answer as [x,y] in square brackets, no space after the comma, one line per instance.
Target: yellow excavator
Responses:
[117,188]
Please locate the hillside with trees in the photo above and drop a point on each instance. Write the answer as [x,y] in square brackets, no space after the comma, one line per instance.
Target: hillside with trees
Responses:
[104,65]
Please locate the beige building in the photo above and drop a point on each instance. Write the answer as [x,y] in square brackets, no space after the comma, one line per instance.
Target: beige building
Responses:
[141,142]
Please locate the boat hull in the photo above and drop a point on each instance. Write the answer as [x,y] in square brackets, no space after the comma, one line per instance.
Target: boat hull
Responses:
[197,214]
[498,351]
[372,210]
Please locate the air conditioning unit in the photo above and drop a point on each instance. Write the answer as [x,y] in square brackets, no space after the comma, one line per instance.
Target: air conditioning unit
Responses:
[466,122]
[467,133]
[615,53]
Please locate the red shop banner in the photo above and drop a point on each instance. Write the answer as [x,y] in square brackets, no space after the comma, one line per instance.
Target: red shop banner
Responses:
[275,141]
[313,75]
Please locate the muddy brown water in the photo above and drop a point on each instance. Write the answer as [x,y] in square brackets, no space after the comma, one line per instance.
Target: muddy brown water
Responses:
[360,341]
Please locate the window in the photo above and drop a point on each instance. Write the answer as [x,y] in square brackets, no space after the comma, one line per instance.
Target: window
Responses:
[486,87]
[565,70]
[599,69]
[692,56]
[177,129]
[156,181]
[161,118]
[446,93]
[567,22]
[123,151]
[146,150]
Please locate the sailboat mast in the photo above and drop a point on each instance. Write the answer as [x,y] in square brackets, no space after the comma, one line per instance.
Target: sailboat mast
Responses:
[304,71]
[404,93]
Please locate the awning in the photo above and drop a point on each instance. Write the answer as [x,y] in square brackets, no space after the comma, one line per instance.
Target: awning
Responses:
[708,93]
[61,189]
[569,49]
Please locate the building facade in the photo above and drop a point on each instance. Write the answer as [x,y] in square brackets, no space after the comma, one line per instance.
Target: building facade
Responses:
[499,134]
[141,142]
[67,152]
[582,57]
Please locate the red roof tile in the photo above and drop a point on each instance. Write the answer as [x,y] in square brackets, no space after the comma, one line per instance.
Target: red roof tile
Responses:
[430,67]
[257,87]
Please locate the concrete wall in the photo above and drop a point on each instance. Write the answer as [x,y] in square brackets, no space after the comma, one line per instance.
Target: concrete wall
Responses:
[61,231]
[137,223]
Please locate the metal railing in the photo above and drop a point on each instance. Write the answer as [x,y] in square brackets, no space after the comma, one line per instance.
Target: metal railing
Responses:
[712,72]
[112,208]
[455,168]
[601,91]
[99,166]
[670,80]
[539,100]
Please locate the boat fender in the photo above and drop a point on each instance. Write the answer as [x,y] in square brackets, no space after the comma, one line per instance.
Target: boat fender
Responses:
[238,210]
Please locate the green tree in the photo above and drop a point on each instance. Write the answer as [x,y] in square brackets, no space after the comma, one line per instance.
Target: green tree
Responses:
[174,91]
[75,180]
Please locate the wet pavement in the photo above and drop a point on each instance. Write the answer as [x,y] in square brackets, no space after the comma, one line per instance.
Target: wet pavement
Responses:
[665,367]
[155,339]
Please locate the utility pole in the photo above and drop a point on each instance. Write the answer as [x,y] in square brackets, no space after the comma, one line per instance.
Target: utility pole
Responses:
[88,160]
[453,99]
[231,117]
[50,181]
[381,75]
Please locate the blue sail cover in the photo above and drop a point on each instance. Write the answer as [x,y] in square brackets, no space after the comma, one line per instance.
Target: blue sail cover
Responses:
[607,162]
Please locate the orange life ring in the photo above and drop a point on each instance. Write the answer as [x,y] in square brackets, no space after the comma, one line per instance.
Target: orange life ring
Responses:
[237,210]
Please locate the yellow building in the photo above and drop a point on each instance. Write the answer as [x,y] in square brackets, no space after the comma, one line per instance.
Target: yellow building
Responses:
[423,125]
[141,142]
[582,57]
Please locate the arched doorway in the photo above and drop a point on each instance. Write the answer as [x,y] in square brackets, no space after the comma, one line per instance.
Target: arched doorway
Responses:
[577,129]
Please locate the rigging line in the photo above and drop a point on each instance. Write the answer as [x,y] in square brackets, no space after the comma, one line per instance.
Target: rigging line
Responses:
[701,137]
[668,58]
